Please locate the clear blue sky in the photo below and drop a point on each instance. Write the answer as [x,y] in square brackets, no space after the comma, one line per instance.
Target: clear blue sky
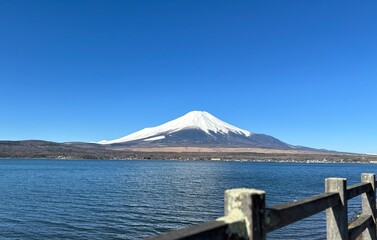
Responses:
[302,71]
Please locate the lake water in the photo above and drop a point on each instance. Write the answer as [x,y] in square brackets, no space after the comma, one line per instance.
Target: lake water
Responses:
[94,199]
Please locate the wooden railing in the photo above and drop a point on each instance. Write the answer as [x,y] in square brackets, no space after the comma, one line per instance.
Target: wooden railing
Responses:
[247,217]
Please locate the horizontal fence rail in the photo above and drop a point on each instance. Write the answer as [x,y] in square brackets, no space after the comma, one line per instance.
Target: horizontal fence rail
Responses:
[247,217]
[287,213]
[222,230]
[358,189]
[358,226]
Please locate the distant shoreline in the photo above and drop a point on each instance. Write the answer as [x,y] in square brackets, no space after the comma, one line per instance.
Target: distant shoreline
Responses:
[196,159]
[83,151]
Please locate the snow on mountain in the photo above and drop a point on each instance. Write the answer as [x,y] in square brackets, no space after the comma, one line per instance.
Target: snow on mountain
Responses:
[154,138]
[199,120]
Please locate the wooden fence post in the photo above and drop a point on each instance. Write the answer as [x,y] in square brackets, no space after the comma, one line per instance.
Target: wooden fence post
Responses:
[249,203]
[337,216]
[368,204]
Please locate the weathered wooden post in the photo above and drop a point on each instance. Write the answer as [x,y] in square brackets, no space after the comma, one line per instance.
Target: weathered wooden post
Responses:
[249,203]
[337,217]
[368,204]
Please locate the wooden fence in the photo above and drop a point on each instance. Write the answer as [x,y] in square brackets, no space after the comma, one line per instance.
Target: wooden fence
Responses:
[247,217]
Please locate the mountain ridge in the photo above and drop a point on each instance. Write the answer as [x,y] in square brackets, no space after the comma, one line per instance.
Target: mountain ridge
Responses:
[199,136]
[200,120]
[199,128]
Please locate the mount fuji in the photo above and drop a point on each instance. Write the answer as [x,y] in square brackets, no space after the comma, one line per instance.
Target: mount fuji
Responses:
[198,128]
[196,135]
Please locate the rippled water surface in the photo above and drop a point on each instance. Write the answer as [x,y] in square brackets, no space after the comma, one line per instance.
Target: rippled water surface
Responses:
[93,199]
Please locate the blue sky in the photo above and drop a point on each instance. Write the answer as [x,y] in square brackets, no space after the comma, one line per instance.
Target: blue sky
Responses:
[302,71]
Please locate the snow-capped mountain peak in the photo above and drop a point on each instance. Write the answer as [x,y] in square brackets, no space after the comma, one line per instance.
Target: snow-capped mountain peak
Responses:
[199,120]
[206,122]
